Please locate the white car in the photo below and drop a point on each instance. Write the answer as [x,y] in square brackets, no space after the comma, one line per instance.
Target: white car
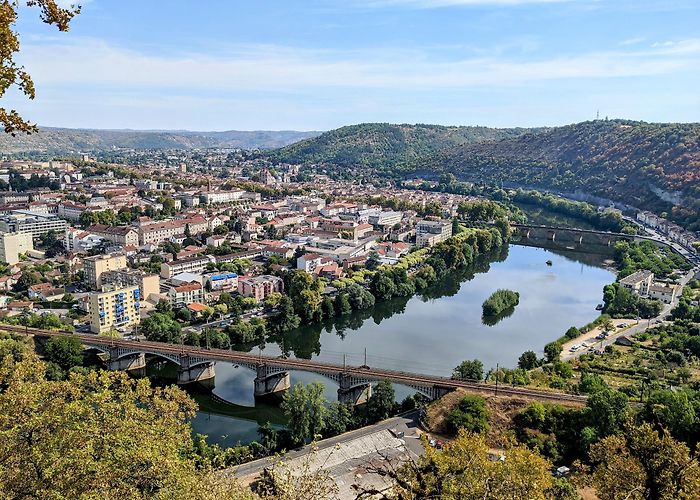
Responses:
[575,348]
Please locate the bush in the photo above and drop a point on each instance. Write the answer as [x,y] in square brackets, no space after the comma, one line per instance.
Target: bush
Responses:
[499,302]
[469,370]
[470,414]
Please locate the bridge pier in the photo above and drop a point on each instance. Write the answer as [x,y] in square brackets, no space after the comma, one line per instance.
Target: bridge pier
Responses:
[202,373]
[268,385]
[134,363]
[352,391]
[551,235]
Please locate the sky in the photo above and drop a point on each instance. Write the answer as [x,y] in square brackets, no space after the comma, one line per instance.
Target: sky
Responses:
[321,64]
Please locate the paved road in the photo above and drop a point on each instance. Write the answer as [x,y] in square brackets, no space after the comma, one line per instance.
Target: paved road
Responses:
[639,327]
[408,424]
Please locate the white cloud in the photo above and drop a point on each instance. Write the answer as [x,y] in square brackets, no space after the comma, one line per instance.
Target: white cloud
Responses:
[92,63]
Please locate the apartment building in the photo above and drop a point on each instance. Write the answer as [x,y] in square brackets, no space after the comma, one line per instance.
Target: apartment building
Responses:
[664,292]
[148,284]
[259,287]
[385,218]
[221,281]
[355,230]
[182,295]
[70,210]
[638,282]
[120,235]
[23,221]
[213,197]
[194,265]
[159,232]
[114,307]
[430,233]
[155,233]
[94,267]
[12,245]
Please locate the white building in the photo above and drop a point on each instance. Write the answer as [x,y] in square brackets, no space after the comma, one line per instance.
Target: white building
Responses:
[430,233]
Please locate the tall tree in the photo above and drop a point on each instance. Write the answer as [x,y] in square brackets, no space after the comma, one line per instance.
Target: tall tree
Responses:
[96,435]
[463,470]
[10,73]
[65,351]
[305,409]
[644,464]
[382,402]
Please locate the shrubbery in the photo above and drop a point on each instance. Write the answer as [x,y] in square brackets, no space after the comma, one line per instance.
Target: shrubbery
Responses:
[499,302]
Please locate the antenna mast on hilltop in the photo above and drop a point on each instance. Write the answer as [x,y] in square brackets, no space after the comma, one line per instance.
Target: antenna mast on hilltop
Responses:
[597,115]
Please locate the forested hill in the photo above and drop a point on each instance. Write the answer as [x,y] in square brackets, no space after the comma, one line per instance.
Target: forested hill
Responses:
[67,141]
[383,145]
[655,166]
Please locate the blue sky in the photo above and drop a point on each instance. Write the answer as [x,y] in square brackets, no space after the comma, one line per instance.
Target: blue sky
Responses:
[320,64]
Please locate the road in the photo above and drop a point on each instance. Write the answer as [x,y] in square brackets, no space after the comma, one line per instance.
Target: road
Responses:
[638,327]
[408,424]
[690,256]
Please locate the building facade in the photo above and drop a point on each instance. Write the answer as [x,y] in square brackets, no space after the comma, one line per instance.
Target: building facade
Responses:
[36,224]
[12,245]
[148,284]
[259,287]
[94,267]
[430,233]
[114,307]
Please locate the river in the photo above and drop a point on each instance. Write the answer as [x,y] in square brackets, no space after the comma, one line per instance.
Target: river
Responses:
[428,334]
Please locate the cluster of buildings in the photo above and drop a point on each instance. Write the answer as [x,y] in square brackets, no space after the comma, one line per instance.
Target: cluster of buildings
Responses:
[673,231]
[210,229]
[642,283]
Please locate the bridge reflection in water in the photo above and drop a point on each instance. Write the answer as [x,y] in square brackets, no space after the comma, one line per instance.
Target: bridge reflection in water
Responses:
[272,373]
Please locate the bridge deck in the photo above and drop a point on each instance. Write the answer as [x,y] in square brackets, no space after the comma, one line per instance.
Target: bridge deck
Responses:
[375,374]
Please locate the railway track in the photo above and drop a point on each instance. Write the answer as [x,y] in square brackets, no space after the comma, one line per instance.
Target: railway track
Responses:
[362,372]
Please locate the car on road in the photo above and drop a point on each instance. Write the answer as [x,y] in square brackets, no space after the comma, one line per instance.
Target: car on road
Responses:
[574,348]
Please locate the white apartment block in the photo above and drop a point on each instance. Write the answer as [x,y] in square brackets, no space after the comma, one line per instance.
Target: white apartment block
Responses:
[638,282]
[12,245]
[430,233]
[195,265]
[22,221]
[214,197]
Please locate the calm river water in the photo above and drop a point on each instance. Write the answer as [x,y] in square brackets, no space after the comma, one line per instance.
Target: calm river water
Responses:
[430,334]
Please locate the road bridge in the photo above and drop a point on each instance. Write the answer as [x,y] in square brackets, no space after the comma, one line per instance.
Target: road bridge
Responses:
[577,235]
[196,364]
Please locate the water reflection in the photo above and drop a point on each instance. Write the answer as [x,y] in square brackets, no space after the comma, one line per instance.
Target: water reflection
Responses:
[432,333]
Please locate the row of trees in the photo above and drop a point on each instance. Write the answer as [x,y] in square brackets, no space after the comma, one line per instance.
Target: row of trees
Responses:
[311,416]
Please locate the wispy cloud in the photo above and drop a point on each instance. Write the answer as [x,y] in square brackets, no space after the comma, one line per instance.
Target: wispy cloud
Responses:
[272,68]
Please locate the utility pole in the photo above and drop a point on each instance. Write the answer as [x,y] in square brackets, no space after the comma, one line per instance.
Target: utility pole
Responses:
[345,364]
[496,392]
[366,357]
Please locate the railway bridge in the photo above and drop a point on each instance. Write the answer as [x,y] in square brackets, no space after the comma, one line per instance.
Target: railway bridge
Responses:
[197,364]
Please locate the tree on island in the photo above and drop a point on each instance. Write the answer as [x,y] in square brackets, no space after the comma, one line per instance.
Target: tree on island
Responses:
[499,302]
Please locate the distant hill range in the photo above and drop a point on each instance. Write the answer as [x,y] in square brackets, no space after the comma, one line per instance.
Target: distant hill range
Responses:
[63,141]
[649,165]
